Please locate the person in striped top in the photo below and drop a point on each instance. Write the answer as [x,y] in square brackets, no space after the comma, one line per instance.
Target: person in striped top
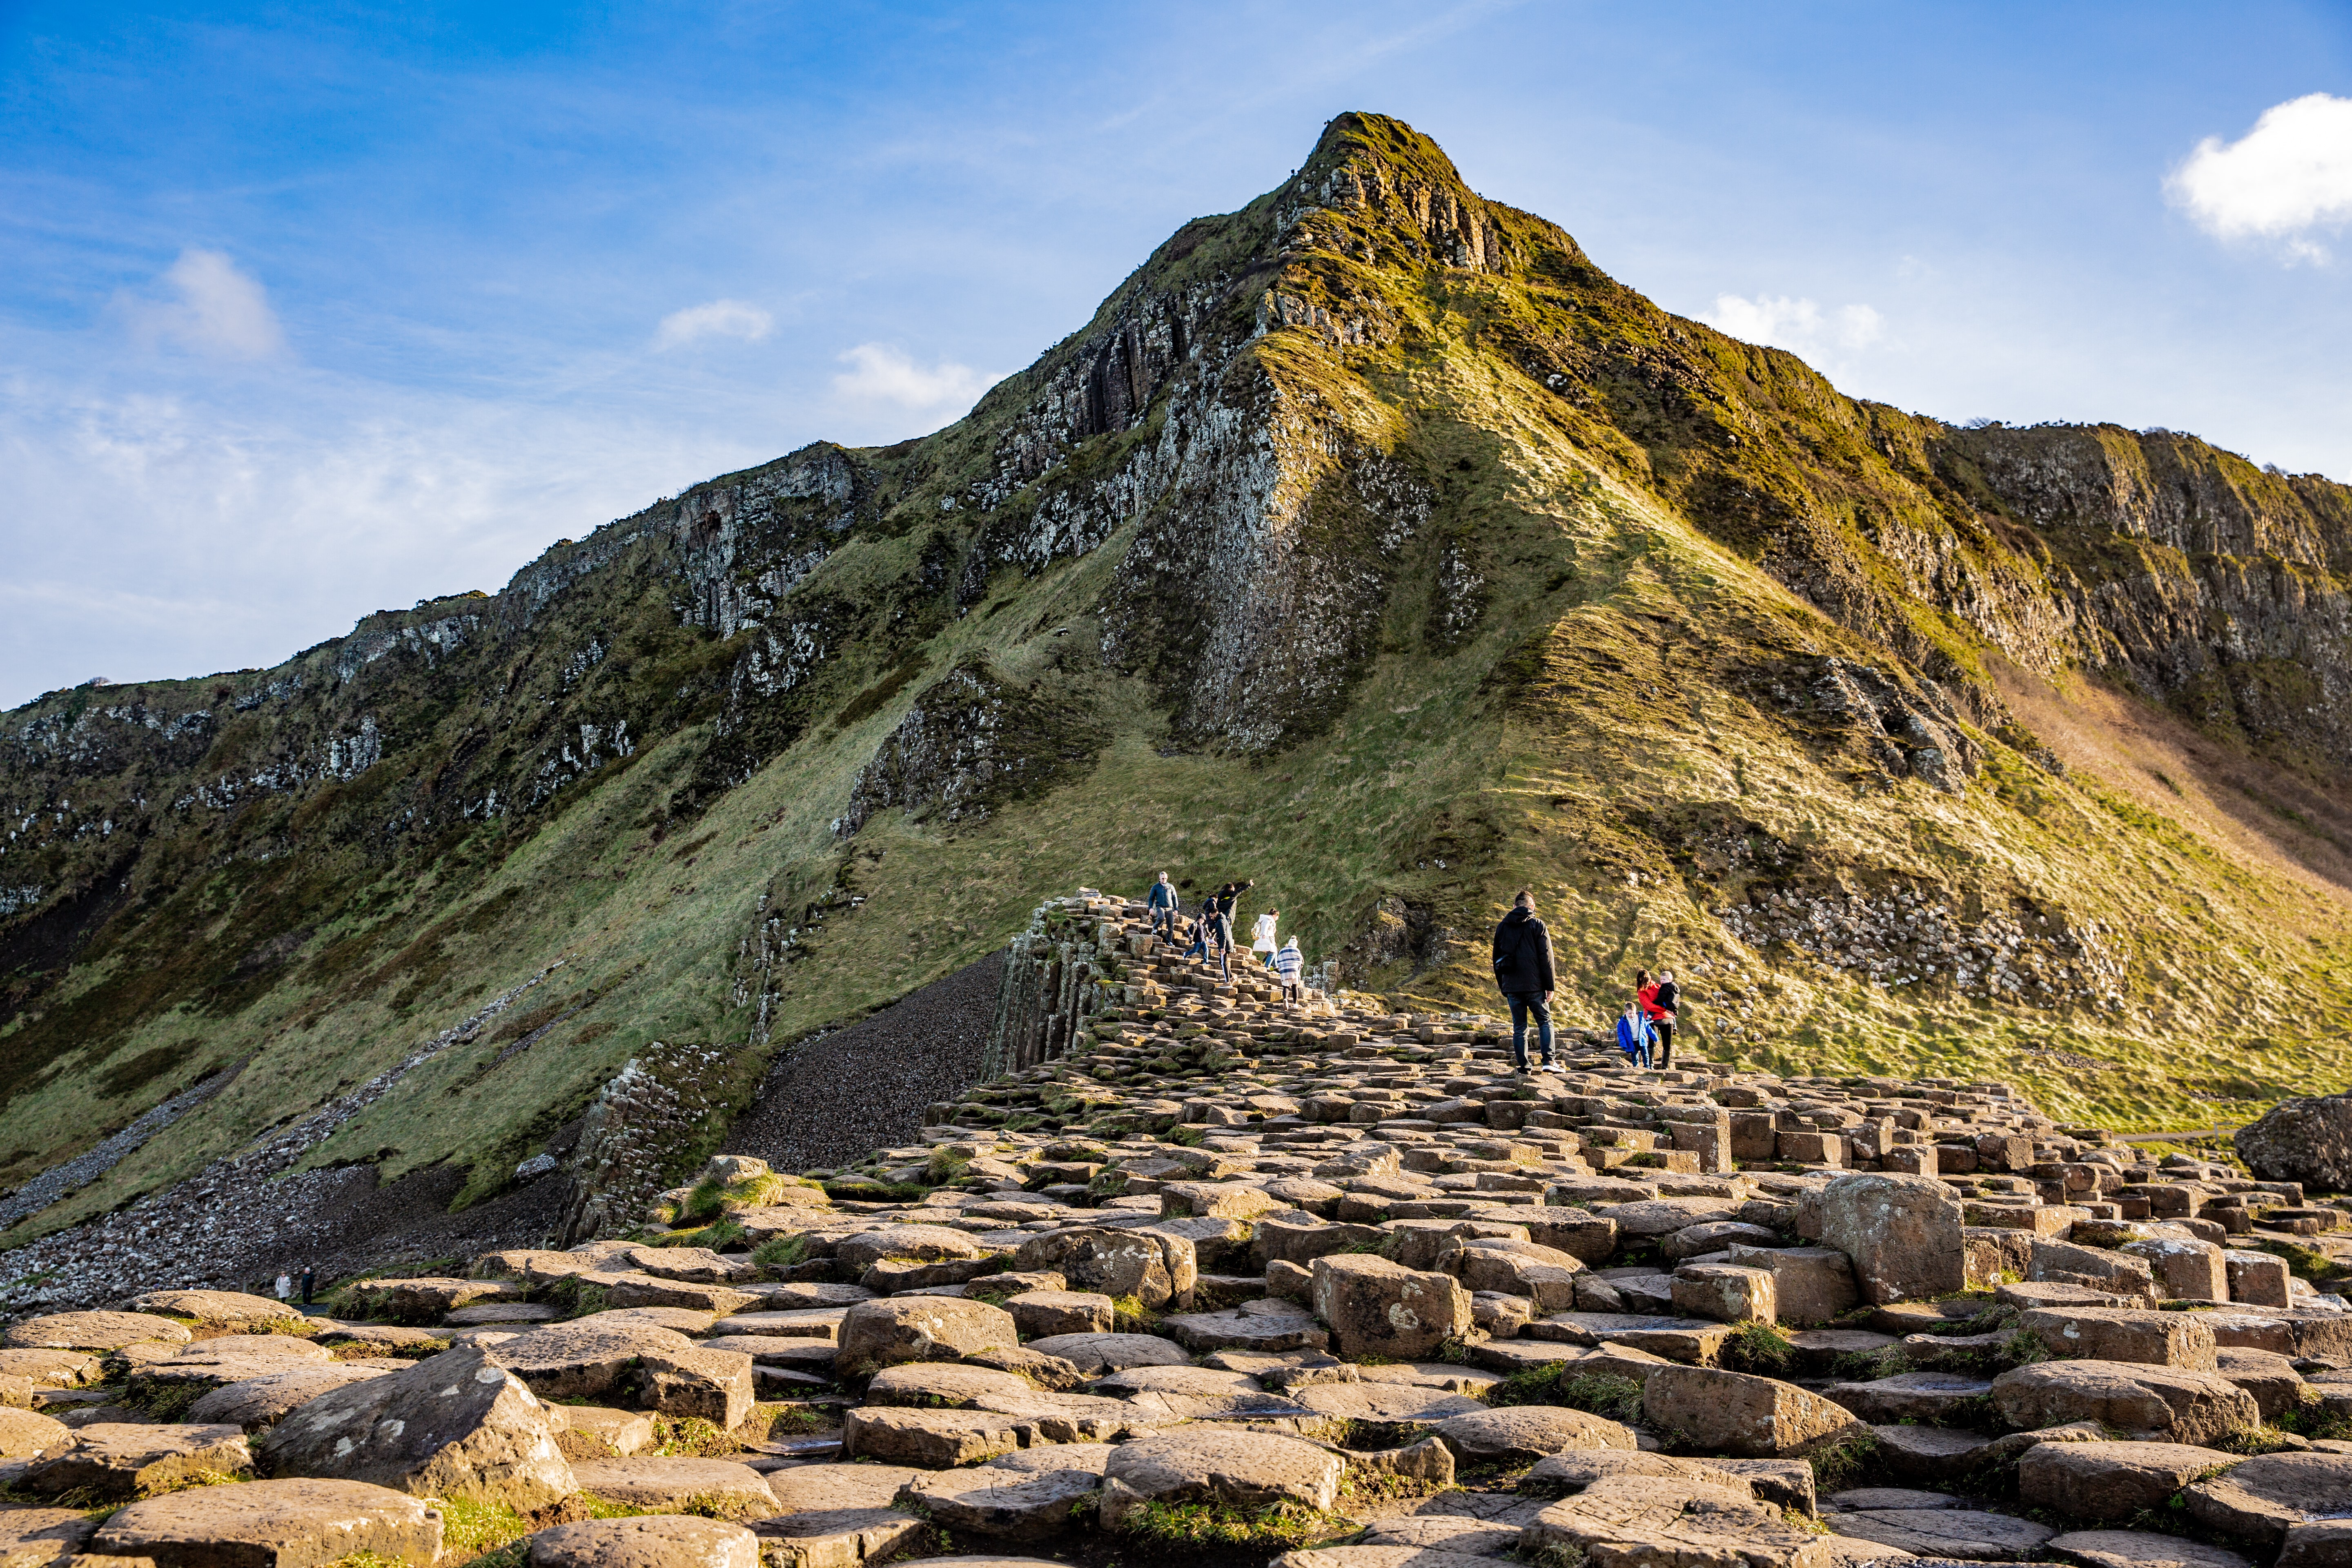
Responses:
[1288,964]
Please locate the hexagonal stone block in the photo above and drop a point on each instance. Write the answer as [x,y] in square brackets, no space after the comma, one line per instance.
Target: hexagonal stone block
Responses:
[657,1540]
[281,1524]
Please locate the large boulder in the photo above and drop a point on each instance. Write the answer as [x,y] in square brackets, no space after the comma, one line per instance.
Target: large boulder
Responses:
[2307,1141]
[1902,1234]
[274,1525]
[458,1425]
[655,1541]
[1375,1307]
[1234,1468]
[715,1384]
[2163,1403]
[888,1330]
[1743,1417]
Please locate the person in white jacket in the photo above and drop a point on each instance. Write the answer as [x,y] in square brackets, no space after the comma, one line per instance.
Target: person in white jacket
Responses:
[1262,939]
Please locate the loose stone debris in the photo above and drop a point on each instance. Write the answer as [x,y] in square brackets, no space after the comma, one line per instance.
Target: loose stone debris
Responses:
[1300,1284]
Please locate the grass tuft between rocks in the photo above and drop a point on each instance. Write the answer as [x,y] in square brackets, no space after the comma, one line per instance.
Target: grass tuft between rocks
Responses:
[1840,1464]
[1278,1526]
[1603,1393]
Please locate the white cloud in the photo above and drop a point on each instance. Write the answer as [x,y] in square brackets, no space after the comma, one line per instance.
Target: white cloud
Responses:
[719,319]
[2290,174]
[884,374]
[1797,325]
[218,311]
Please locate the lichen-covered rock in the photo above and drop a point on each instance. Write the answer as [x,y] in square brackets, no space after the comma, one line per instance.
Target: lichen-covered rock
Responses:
[1375,1307]
[2307,1141]
[458,1425]
[1902,1233]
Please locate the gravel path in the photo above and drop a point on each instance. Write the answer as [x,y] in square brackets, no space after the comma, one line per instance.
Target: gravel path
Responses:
[842,1096]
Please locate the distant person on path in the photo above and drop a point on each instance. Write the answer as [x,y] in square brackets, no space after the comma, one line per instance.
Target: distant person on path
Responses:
[1523,968]
[1662,1001]
[1288,963]
[309,1278]
[286,1287]
[1164,905]
[1262,936]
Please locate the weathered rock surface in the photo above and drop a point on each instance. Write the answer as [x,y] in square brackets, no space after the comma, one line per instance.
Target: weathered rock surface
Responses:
[2306,1141]
[457,1426]
[274,1525]
[660,1540]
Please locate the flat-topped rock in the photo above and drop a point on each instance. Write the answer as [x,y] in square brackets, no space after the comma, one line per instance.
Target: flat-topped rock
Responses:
[1008,1505]
[1220,1466]
[94,1330]
[719,1487]
[274,1525]
[37,1537]
[2259,1500]
[215,1308]
[258,1401]
[657,1540]
[1526,1433]
[1098,1353]
[115,1461]
[2169,1404]
[1949,1533]
[1634,1519]
[585,1358]
[2140,1548]
[886,1331]
[2110,1481]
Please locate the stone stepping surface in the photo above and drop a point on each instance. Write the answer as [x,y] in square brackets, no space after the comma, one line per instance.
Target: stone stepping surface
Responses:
[1340,1272]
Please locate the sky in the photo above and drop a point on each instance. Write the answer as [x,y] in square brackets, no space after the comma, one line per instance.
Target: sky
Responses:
[311,310]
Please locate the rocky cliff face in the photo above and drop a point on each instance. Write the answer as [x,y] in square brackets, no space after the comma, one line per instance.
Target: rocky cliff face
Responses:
[1367,540]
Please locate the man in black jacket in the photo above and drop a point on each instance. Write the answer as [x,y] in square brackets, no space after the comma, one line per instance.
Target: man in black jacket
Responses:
[1523,969]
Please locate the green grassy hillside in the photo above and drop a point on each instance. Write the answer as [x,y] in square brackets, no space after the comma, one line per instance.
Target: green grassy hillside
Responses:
[1369,543]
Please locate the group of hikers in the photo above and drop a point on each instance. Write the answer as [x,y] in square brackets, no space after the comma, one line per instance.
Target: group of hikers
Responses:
[286,1285]
[1211,932]
[1523,969]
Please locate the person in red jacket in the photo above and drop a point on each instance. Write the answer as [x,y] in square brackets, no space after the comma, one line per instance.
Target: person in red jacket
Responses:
[1664,998]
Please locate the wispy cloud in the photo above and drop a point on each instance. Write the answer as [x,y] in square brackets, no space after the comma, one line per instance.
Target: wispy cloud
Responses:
[719,319]
[881,374]
[1797,325]
[211,308]
[2288,176]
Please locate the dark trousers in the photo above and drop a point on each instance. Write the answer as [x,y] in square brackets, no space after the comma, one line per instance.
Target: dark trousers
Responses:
[1163,922]
[1224,958]
[1665,1043]
[1522,1004]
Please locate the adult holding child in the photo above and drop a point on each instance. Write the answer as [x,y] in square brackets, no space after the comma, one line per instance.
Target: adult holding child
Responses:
[1662,1001]
[1523,968]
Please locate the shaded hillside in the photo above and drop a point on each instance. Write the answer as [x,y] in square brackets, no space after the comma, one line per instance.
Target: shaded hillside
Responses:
[1369,542]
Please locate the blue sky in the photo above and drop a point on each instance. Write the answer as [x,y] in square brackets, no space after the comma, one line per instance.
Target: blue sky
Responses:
[307,311]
